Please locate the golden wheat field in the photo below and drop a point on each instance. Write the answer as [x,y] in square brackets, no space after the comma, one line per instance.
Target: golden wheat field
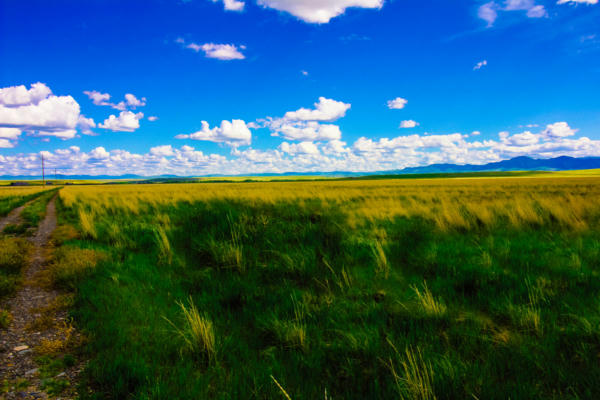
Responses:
[10,191]
[453,203]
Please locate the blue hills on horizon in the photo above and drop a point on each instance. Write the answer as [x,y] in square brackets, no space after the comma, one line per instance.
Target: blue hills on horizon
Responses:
[522,163]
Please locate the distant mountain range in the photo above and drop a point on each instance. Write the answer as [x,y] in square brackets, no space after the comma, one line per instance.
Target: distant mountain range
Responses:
[516,164]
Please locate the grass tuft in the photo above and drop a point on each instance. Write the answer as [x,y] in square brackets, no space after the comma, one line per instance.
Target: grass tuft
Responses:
[197,333]
[414,376]
[428,303]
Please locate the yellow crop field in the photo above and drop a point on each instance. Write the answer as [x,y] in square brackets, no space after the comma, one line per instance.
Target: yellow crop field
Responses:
[9,191]
[451,203]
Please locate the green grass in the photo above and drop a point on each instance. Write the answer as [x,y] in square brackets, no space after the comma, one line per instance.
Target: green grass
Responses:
[32,214]
[288,299]
[35,212]
[9,203]
[13,257]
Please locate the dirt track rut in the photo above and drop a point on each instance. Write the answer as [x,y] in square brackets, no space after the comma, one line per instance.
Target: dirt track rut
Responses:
[34,323]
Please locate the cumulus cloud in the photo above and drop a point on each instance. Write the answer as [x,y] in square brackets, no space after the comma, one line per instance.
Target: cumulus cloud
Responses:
[307,125]
[98,98]
[102,99]
[234,133]
[38,111]
[365,154]
[127,121]
[397,104]
[537,12]
[488,12]
[86,125]
[99,153]
[318,11]
[409,124]
[558,130]
[325,110]
[335,147]
[133,101]
[480,65]
[10,133]
[6,144]
[299,148]
[305,131]
[16,96]
[225,52]
[166,150]
[577,1]
[152,118]
[232,5]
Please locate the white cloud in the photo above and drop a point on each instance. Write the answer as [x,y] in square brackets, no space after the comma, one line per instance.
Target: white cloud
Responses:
[335,147]
[38,111]
[127,121]
[397,104]
[511,5]
[537,12]
[305,73]
[480,65]
[318,11]
[99,153]
[365,154]
[409,124]
[163,151]
[232,5]
[133,101]
[488,12]
[299,148]
[224,52]
[533,10]
[102,99]
[16,96]
[234,133]
[6,144]
[577,1]
[85,125]
[99,99]
[152,118]
[327,110]
[306,131]
[10,133]
[475,133]
[306,125]
[521,139]
[558,130]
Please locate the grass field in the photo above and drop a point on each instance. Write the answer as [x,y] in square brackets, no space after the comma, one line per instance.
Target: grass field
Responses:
[417,289]
[13,197]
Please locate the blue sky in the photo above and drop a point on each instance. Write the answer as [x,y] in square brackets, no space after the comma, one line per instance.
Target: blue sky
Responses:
[253,86]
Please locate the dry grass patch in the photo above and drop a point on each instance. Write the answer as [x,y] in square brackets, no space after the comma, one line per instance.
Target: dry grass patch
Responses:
[63,340]
[73,264]
[13,254]
[63,234]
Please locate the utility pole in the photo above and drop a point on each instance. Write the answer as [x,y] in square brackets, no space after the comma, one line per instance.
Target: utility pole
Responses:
[43,173]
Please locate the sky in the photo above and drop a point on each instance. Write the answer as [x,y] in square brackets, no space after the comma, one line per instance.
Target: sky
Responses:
[201,87]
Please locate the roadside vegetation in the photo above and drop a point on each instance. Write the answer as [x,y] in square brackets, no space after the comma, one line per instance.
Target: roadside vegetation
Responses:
[14,250]
[420,289]
[31,215]
[13,197]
